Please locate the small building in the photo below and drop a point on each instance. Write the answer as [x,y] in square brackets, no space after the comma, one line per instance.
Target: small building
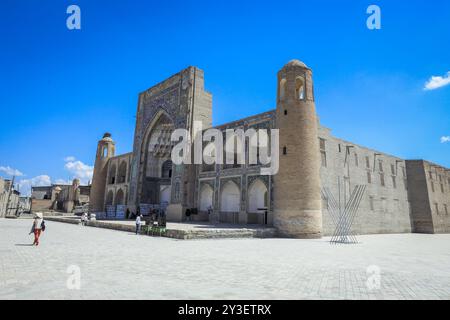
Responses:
[59,197]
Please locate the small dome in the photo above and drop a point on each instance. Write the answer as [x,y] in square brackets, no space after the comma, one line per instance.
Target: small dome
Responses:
[296,63]
[58,189]
[107,137]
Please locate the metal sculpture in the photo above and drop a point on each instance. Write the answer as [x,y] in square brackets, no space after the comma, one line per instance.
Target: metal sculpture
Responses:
[343,216]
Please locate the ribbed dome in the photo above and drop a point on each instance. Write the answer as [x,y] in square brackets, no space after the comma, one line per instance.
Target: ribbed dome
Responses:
[296,63]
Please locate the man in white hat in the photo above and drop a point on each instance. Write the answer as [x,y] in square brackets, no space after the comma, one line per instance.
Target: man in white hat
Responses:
[38,226]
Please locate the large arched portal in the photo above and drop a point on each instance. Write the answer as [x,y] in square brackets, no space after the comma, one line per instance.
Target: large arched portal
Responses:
[156,173]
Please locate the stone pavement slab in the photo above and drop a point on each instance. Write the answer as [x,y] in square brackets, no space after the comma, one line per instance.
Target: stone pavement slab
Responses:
[121,265]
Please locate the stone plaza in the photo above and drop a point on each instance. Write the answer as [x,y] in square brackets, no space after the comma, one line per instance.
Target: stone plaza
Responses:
[121,265]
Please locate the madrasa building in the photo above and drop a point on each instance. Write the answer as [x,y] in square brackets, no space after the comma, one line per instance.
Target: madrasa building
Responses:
[401,196]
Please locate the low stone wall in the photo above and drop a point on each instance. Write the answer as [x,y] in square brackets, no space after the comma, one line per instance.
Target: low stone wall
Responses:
[55,214]
[111,226]
[177,233]
[96,223]
[64,220]
[221,234]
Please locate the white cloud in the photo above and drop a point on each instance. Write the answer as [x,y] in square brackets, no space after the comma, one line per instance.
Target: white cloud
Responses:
[79,170]
[62,181]
[76,168]
[437,82]
[39,181]
[11,172]
[445,139]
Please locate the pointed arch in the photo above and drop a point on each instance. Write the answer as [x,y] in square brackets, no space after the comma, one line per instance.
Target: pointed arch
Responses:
[120,197]
[155,150]
[122,176]
[206,197]
[282,90]
[166,170]
[300,91]
[150,126]
[110,198]
[112,174]
[230,197]
[258,196]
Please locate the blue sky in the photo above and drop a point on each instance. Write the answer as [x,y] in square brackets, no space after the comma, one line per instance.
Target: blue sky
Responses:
[60,90]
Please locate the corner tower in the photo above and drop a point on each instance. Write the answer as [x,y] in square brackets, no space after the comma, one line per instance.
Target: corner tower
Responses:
[297,199]
[105,150]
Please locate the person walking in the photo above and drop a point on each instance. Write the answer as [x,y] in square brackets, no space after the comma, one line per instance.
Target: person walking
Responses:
[37,227]
[84,219]
[138,223]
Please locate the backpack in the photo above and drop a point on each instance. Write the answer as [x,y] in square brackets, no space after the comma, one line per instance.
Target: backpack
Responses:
[43,225]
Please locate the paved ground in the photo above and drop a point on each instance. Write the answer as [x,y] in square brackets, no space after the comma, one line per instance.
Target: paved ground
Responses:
[120,265]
